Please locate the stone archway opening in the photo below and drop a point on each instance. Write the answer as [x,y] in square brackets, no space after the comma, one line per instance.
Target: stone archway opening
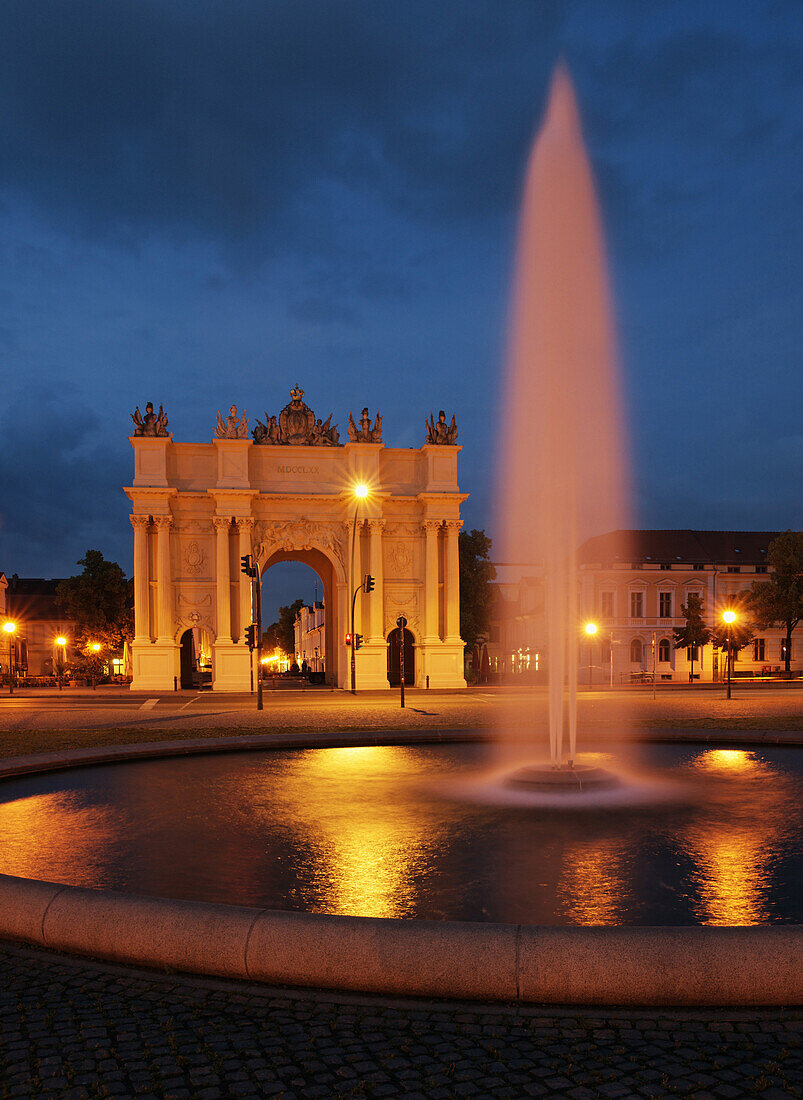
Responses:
[327,658]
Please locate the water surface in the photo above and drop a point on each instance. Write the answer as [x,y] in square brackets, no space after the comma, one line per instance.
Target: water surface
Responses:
[381,831]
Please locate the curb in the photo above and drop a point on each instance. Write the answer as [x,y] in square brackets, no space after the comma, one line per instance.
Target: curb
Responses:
[521,964]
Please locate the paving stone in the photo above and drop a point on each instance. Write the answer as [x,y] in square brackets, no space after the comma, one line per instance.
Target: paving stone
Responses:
[73,1030]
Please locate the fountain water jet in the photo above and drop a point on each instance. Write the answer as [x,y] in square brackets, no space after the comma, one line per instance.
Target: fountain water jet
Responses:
[563,469]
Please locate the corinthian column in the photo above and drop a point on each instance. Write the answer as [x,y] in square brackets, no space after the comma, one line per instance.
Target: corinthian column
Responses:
[244,529]
[376,599]
[163,580]
[452,585]
[141,625]
[431,594]
[222,528]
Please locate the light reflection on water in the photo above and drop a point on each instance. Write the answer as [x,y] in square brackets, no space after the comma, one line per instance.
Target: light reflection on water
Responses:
[367,831]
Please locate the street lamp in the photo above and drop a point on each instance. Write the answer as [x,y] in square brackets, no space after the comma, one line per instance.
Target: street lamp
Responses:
[95,647]
[360,492]
[591,630]
[10,627]
[61,642]
[729,618]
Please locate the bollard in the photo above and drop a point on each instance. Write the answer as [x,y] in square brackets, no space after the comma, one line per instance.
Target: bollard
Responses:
[175,683]
[427,683]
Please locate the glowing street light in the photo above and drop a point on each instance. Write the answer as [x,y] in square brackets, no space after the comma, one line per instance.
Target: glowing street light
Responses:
[10,628]
[729,618]
[591,630]
[61,642]
[94,647]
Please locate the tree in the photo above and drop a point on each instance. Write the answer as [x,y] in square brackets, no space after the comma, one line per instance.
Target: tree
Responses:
[282,632]
[778,601]
[476,595]
[695,632]
[99,601]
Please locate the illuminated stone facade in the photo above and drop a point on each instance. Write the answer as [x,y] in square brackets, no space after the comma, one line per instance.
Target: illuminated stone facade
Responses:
[198,507]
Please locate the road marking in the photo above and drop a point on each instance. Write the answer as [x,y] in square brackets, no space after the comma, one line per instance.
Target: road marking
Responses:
[189,702]
[149,704]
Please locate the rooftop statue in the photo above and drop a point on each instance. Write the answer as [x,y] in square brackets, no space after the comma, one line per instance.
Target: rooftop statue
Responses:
[364,433]
[233,427]
[296,426]
[439,432]
[150,423]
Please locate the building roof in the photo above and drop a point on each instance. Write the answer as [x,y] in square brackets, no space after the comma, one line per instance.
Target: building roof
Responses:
[684,545]
[33,598]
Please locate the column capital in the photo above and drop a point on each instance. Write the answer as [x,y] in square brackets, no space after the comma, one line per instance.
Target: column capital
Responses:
[245,523]
[163,521]
[453,525]
[376,524]
[431,526]
[221,522]
[140,523]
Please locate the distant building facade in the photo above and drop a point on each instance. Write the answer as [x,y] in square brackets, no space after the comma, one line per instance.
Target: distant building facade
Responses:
[635,600]
[310,636]
[30,602]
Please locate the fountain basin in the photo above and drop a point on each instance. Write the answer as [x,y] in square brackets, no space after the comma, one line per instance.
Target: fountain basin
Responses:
[491,960]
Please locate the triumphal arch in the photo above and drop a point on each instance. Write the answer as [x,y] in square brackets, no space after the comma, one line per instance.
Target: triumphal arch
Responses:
[285,491]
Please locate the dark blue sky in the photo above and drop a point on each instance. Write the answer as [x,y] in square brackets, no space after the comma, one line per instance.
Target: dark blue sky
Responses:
[204,202]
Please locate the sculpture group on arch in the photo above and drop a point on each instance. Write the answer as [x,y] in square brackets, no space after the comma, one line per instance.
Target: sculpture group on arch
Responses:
[285,491]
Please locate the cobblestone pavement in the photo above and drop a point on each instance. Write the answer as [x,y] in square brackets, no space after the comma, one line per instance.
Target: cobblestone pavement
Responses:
[71,1029]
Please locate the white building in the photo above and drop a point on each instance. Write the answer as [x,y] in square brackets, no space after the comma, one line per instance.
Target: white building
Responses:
[310,637]
[632,586]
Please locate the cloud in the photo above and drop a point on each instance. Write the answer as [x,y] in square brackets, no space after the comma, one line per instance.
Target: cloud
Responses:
[61,490]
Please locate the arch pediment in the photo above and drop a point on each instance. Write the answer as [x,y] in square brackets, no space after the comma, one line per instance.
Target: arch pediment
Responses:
[330,538]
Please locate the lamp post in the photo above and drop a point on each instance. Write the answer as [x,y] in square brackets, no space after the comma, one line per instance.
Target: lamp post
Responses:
[61,643]
[729,618]
[591,630]
[360,494]
[10,627]
[95,648]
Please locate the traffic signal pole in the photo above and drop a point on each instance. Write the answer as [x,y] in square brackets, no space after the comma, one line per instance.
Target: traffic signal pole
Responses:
[356,639]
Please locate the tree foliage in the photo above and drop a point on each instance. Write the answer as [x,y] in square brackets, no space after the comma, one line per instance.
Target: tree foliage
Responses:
[476,594]
[282,632]
[778,601]
[695,632]
[99,601]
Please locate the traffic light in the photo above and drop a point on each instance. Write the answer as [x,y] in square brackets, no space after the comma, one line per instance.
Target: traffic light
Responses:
[357,641]
[250,636]
[348,639]
[246,566]
[370,583]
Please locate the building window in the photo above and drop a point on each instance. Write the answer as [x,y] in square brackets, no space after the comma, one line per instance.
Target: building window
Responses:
[637,606]
[761,569]
[734,569]
[663,651]
[606,605]
[636,651]
[698,566]
[666,565]
[665,605]
[692,653]
[758,649]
